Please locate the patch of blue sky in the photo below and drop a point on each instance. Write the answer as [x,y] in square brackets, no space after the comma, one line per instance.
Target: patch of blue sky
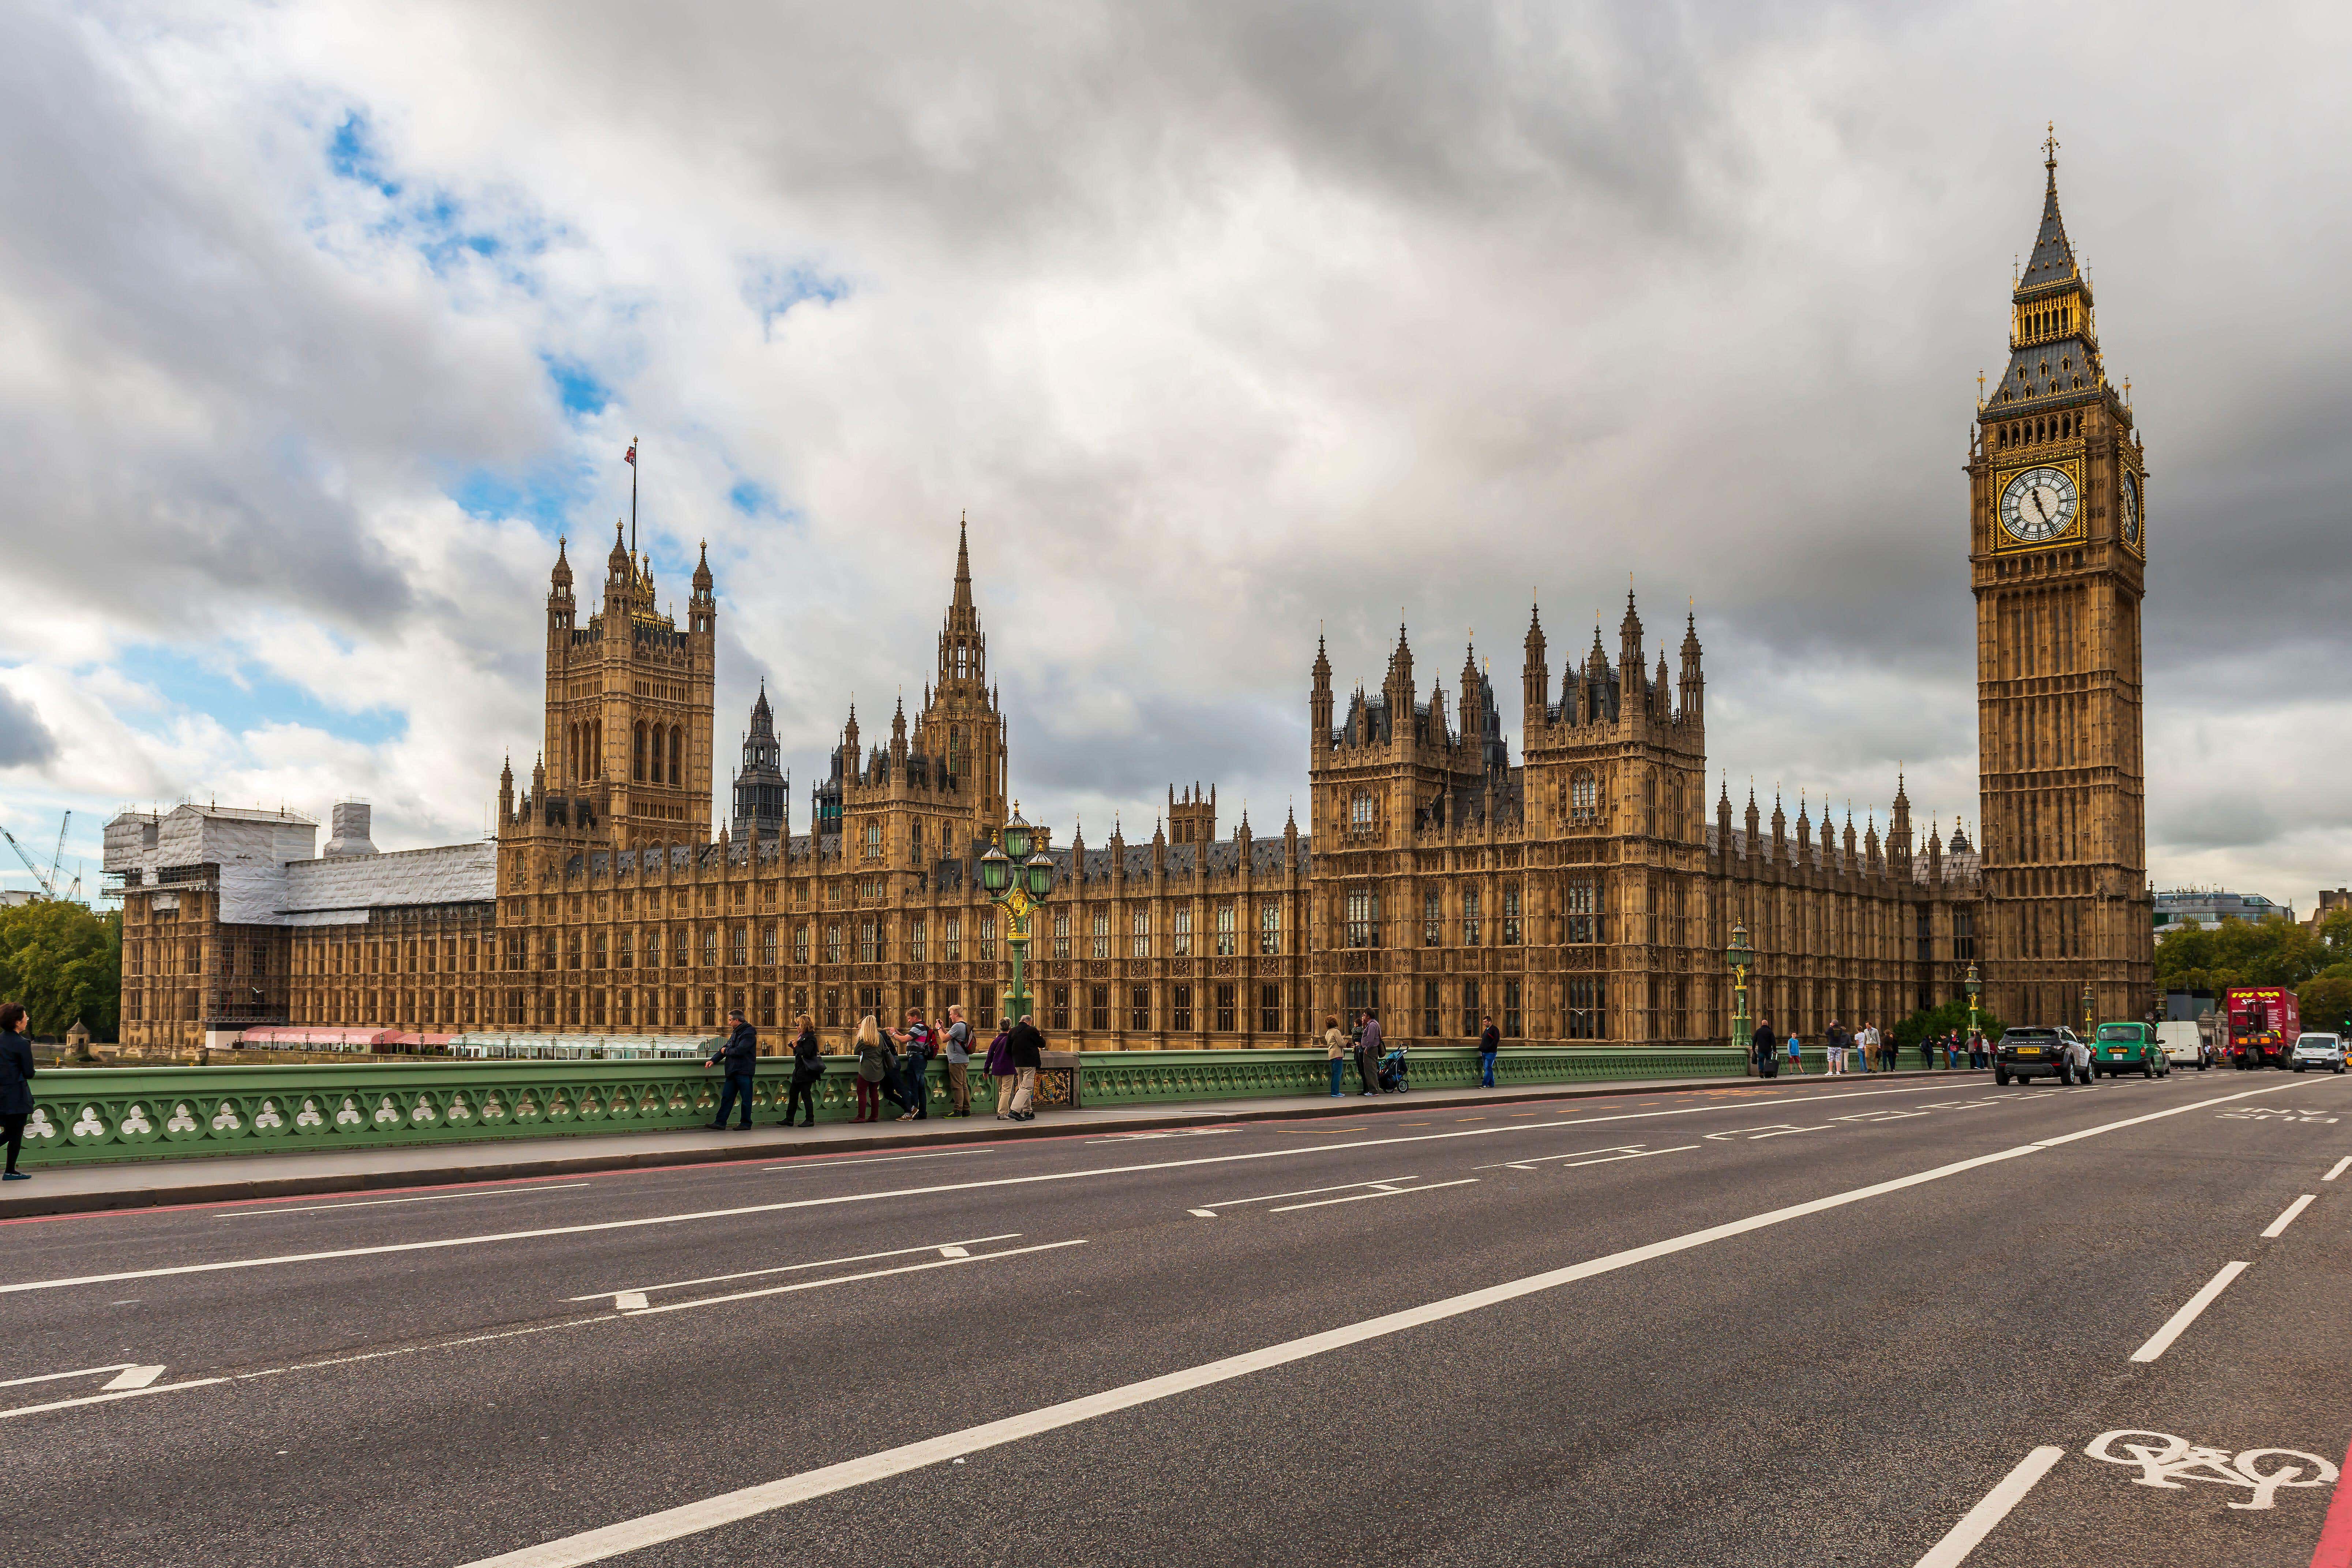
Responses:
[583,394]
[771,288]
[353,154]
[546,496]
[241,697]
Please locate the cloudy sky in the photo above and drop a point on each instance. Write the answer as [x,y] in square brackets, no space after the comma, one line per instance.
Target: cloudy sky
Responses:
[319,323]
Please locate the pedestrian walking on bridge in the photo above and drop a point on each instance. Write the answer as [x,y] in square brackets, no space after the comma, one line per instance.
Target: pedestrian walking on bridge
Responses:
[1835,1041]
[1490,1041]
[1767,1048]
[808,1068]
[958,1052]
[16,1083]
[873,1063]
[1028,1049]
[999,1067]
[741,1054]
[1796,1055]
[1368,1053]
[914,1043]
[1335,1047]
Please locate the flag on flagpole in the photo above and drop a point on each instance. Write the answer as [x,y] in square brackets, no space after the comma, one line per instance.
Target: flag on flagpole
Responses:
[630,456]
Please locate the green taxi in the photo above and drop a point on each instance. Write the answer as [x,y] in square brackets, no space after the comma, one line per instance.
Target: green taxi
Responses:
[2129,1048]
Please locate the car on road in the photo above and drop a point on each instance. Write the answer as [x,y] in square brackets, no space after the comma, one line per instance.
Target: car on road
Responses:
[2120,1049]
[2318,1051]
[2184,1044]
[2031,1051]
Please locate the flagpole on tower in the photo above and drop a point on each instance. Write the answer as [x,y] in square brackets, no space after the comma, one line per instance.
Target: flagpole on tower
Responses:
[633,495]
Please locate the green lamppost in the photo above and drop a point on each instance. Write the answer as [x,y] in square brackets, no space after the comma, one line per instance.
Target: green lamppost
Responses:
[1018,877]
[2090,1001]
[1739,955]
[1974,989]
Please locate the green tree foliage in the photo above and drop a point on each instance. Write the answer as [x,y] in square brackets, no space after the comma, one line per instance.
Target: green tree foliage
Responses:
[2326,999]
[1953,1015]
[63,962]
[2273,951]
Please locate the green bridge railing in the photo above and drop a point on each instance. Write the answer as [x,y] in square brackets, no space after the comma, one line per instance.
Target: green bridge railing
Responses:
[82,1115]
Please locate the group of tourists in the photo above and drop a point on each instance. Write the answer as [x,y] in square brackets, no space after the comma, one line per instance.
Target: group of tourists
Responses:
[1379,1066]
[893,1065]
[1866,1049]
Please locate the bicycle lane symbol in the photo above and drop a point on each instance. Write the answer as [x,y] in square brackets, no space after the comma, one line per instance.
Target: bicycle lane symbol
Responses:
[2169,1462]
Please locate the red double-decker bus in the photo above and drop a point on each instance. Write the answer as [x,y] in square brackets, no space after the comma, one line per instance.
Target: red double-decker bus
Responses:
[2263,1022]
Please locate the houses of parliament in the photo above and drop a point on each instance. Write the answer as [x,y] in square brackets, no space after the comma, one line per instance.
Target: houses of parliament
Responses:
[1583,891]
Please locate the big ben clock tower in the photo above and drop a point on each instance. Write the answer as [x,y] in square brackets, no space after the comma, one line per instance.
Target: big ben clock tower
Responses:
[2058,557]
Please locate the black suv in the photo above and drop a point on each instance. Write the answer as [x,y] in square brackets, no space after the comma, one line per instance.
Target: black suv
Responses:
[2030,1053]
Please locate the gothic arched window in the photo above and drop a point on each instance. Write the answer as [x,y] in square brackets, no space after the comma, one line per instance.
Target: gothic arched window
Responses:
[1359,811]
[638,763]
[1584,797]
[676,750]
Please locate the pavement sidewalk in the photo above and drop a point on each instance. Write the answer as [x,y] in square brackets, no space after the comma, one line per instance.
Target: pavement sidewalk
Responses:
[168,1182]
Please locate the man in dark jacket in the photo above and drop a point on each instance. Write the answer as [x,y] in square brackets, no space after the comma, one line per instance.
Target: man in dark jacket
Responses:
[16,1083]
[1766,1049]
[1028,1047]
[741,1054]
[1490,1041]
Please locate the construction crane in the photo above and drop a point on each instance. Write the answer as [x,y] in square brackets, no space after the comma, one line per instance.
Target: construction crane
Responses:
[49,880]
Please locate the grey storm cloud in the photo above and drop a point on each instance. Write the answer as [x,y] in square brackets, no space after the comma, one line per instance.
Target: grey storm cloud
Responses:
[24,741]
[1226,324]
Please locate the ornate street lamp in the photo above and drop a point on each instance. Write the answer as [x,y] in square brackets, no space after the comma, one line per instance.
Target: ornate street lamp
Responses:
[1740,956]
[1017,881]
[1974,989]
[2090,1001]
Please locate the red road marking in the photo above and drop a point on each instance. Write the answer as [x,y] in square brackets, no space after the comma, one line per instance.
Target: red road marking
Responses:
[2335,1548]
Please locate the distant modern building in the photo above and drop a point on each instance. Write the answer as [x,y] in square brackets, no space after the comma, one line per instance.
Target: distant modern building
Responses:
[2211,906]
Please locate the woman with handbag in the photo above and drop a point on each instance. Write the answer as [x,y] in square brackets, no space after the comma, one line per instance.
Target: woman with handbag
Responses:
[873,1067]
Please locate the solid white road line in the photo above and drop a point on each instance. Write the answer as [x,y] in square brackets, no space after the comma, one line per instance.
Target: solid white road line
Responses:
[1532,1161]
[1291,1151]
[1978,1522]
[692,1518]
[1301,1192]
[822,1163]
[1678,1149]
[265,1212]
[81,1372]
[2278,1226]
[789,1267]
[2338,1168]
[2158,1342]
[853,1279]
[1384,1193]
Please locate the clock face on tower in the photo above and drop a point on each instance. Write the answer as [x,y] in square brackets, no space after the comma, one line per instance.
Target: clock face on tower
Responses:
[2038,505]
[2131,508]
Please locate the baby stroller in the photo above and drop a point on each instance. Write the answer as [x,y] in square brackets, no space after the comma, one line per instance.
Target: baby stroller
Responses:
[1392,1071]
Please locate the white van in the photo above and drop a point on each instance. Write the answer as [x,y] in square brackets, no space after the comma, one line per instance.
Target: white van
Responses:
[2180,1043]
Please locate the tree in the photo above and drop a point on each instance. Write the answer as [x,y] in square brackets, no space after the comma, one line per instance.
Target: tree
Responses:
[63,962]
[1943,1020]
[2326,999]
[2270,952]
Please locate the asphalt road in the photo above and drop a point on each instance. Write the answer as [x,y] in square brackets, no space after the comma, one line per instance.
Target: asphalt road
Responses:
[1859,1322]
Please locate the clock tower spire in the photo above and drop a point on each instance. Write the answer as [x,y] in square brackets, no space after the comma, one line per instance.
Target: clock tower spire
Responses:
[2057,552]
